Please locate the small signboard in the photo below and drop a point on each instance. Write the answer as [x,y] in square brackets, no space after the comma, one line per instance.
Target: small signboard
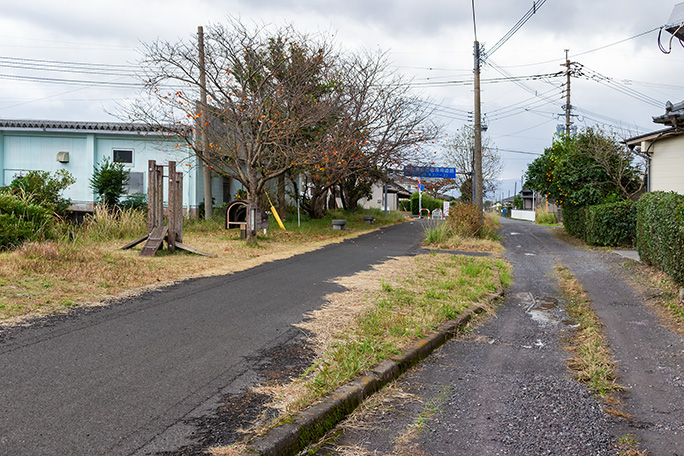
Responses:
[434,172]
[446,209]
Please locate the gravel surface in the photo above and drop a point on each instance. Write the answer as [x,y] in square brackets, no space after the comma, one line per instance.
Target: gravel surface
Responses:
[504,389]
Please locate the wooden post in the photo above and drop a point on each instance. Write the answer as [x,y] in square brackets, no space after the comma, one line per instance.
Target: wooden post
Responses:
[155,196]
[151,193]
[178,187]
[171,239]
[175,209]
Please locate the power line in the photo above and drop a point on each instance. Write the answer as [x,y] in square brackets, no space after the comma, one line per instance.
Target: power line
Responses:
[535,6]
[68,63]
[616,43]
[533,77]
[607,81]
[62,81]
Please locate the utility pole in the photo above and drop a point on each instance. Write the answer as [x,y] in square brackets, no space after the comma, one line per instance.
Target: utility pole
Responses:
[477,158]
[208,202]
[568,106]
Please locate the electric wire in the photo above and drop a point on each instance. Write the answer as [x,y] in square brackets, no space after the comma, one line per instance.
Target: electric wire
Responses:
[535,6]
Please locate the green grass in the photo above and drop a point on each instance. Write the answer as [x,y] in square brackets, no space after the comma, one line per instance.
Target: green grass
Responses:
[404,312]
[543,217]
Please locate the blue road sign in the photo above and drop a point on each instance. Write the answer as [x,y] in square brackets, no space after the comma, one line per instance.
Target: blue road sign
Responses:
[434,172]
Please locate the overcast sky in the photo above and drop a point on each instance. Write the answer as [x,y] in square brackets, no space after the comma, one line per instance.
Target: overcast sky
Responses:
[430,41]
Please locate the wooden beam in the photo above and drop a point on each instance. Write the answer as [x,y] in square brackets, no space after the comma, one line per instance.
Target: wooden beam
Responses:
[155,240]
[134,243]
[187,248]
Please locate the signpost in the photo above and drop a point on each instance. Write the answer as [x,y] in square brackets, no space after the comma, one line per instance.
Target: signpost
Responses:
[432,172]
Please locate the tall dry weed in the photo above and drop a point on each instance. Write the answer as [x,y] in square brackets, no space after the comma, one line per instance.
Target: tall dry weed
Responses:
[109,223]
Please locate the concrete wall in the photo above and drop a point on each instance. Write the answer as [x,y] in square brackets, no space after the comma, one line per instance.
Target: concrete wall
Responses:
[523,215]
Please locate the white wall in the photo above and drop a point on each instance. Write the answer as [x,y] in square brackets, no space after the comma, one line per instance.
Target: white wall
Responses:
[667,164]
[523,215]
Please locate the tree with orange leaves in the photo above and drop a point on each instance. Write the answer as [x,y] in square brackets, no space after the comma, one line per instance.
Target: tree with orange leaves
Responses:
[266,89]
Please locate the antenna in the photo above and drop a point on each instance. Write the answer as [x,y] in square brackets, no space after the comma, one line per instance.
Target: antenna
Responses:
[675,25]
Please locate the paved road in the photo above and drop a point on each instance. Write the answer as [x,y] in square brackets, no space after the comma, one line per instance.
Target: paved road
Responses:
[120,380]
[505,389]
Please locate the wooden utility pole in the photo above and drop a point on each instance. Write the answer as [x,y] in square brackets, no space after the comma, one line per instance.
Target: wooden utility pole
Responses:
[477,156]
[208,202]
[568,106]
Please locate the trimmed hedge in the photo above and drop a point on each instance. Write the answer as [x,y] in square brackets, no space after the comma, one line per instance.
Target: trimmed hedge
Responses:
[612,224]
[660,232]
[21,222]
[574,221]
[427,201]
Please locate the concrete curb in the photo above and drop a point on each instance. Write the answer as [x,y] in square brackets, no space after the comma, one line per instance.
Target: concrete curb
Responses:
[311,424]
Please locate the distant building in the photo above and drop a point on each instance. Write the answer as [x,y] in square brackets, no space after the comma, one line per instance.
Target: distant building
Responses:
[395,192]
[664,151]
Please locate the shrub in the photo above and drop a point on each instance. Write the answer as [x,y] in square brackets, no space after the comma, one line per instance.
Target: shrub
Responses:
[44,189]
[574,221]
[427,202]
[464,219]
[660,232]
[109,181]
[135,201]
[405,205]
[22,221]
[612,224]
[544,217]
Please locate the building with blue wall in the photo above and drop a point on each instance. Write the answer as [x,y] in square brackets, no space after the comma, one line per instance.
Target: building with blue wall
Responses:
[28,145]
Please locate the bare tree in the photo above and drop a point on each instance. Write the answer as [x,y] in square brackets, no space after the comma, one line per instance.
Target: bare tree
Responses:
[266,91]
[385,125]
[617,160]
[459,154]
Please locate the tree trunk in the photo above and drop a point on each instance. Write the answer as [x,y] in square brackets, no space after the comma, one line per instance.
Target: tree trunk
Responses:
[282,206]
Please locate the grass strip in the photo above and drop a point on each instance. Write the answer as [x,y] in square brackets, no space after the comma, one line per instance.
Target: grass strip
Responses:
[592,361]
[418,294]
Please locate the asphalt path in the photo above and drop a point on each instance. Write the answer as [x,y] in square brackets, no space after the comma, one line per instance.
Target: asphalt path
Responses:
[124,378]
[505,389]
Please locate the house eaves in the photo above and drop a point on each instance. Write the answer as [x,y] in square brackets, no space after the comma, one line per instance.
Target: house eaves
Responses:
[79,127]
[660,134]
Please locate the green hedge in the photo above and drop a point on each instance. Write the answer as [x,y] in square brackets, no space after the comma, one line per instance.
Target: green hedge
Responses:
[612,224]
[427,202]
[20,222]
[574,221]
[660,232]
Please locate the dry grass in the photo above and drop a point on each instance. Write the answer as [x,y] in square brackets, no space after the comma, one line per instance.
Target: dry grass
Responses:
[468,244]
[232,450]
[663,294]
[43,278]
[592,361]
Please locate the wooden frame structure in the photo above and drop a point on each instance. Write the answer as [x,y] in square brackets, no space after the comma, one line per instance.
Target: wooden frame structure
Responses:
[172,232]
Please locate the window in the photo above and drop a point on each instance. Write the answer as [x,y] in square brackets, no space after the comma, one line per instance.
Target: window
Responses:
[135,183]
[122,156]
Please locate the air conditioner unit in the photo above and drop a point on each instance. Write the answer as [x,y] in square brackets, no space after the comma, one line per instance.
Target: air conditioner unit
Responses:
[676,23]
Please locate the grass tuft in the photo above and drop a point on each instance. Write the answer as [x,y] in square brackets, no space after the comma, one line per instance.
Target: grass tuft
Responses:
[592,361]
